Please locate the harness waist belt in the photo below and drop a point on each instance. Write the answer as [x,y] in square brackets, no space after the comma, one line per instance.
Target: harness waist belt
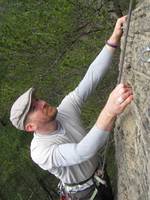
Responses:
[80,183]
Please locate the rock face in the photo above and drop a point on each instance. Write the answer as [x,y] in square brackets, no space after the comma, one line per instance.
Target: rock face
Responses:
[132,131]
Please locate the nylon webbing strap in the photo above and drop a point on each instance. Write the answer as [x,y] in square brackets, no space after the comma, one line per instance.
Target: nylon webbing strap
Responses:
[120,73]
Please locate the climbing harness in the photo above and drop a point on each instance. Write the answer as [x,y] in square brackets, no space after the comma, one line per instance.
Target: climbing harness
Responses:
[98,184]
[120,74]
[97,181]
[64,195]
[143,56]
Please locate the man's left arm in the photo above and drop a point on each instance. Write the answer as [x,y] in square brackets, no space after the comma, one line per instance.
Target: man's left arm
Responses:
[75,99]
[101,64]
[95,72]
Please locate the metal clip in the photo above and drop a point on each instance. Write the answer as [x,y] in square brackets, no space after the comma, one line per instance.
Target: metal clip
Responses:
[143,57]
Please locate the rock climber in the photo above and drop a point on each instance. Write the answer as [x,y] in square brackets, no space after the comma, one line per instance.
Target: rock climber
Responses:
[60,143]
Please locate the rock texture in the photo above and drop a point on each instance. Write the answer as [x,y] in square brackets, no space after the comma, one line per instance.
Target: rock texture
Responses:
[132,131]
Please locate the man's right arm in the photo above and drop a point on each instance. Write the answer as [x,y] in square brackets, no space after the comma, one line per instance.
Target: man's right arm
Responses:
[74,153]
[118,100]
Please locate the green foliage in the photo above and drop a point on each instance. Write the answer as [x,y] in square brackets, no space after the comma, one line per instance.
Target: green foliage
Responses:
[49,45]
[37,36]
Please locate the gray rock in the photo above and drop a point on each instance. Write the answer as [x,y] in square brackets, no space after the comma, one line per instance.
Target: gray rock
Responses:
[132,131]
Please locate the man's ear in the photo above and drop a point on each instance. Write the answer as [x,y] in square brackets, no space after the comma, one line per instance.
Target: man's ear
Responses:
[30,127]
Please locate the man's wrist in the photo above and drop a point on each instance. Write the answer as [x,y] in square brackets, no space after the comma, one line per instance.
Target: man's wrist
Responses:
[115,40]
[110,44]
[105,120]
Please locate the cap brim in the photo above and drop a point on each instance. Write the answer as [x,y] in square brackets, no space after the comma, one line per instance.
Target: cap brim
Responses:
[31,93]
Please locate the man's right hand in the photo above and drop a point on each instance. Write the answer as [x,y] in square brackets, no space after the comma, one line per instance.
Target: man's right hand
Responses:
[118,100]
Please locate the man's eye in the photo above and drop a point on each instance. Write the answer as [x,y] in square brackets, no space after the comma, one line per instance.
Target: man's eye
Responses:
[33,105]
[33,108]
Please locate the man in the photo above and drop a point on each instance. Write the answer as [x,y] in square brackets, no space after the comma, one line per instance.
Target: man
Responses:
[60,144]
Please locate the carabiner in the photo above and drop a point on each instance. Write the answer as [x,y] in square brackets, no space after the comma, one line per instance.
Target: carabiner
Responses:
[143,57]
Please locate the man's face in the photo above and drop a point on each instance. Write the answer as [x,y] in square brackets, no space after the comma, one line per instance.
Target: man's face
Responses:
[41,113]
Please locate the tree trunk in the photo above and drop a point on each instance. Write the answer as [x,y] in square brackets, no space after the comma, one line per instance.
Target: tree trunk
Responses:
[132,131]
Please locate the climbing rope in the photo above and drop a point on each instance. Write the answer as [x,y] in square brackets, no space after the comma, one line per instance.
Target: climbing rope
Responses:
[120,75]
[125,42]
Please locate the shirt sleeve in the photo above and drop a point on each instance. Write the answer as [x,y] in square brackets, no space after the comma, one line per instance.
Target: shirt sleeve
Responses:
[71,153]
[73,102]
[94,74]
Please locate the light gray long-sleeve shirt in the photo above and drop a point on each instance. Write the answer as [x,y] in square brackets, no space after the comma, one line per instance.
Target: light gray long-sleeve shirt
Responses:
[70,153]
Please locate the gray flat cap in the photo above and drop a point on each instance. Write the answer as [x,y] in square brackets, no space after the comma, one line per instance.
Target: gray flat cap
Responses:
[20,109]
